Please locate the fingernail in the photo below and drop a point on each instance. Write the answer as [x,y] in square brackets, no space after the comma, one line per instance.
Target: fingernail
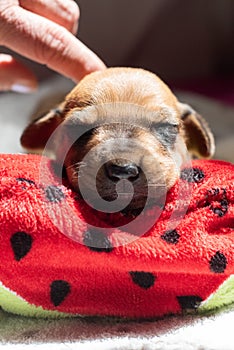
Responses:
[24,89]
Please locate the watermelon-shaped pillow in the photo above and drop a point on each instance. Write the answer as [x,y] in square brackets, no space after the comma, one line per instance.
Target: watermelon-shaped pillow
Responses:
[60,257]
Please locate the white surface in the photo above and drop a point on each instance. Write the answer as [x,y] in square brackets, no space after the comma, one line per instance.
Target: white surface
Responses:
[16,110]
[170,333]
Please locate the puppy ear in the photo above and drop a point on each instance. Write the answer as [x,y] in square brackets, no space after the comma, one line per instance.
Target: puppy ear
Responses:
[199,138]
[36,134]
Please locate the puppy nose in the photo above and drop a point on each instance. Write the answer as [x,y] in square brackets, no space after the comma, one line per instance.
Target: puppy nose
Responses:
[116,172]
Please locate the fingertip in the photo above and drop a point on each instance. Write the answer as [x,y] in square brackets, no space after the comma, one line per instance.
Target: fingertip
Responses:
[24,87]
[14,76]
[89,67]
[5,59]
[85,61]
[95,66]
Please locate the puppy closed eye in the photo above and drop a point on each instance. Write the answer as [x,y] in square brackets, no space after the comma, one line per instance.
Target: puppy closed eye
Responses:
[76,129]
[166,132]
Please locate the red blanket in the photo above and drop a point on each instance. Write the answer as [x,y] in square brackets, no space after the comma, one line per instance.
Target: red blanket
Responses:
[59,254]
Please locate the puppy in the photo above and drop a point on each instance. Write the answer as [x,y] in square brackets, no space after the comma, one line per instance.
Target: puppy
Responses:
[121,126]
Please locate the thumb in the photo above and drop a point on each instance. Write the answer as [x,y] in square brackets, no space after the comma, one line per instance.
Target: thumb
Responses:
[14,76]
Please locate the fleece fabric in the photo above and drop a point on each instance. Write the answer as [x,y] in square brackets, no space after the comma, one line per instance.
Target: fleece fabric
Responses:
[59,257]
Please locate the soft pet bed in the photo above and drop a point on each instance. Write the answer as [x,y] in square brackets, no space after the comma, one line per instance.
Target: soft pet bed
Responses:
[61,258]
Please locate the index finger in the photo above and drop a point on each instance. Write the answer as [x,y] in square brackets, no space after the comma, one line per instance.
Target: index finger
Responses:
[47,43]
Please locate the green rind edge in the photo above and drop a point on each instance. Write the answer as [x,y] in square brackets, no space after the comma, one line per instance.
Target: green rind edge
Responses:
[12,303]
[222,297]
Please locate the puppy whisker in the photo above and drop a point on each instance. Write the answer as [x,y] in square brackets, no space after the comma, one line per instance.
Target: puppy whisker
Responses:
[77,165]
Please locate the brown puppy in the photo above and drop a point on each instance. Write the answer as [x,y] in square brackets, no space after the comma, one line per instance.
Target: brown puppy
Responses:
[121,124]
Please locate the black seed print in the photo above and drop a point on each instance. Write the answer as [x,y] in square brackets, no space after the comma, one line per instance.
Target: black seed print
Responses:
[144,280]
[171,237]
[213,192]
[54,194]
[97,241]
[218,262]
[22,179]
[222,209]
[192,175]
[58,291]
[21,244]
[188,302]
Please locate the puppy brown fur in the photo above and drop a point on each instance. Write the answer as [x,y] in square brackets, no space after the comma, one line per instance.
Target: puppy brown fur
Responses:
[121,123]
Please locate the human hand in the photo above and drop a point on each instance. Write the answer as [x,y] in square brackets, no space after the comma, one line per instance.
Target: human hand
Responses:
[42,31]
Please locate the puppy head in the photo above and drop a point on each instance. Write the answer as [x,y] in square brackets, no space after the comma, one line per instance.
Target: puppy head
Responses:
[118,127]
